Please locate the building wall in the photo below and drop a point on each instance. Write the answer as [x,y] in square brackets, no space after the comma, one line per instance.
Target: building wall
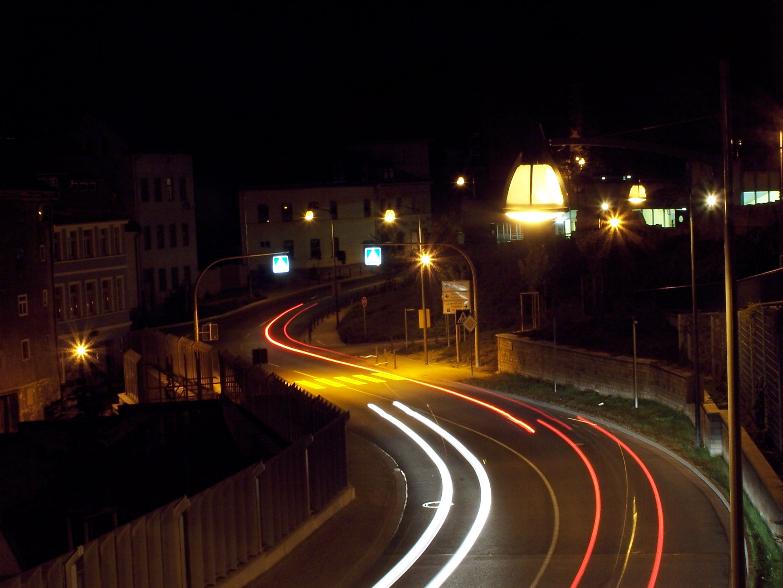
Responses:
[163,206]
[591,370]
[273,219]
[94,291]
[28,367]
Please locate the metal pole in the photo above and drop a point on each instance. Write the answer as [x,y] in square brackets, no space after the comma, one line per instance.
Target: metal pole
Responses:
[405,325]
[736,517]
[554,342]
[334,275]
[695,328]
[456,336]
[364,321]
[206,269]
[423,301]
[635,381]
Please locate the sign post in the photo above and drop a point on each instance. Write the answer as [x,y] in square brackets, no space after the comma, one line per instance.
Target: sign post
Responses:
[364,316]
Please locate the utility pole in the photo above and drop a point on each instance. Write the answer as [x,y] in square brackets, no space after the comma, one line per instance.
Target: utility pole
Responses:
[695,328]
[736,515]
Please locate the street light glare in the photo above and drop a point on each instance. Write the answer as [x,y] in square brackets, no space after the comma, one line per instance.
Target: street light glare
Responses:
[604,206]
[460,181]
[425,259]
[309,215]
[712,200]
[389,216]
[614,222]
[80,351]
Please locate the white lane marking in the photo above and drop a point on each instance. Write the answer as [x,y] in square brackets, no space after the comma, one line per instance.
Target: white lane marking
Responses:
[485,501]
[447,492]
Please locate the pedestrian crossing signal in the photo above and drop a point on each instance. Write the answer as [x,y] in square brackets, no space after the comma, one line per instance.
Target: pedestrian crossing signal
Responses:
[280,264]
[372,256]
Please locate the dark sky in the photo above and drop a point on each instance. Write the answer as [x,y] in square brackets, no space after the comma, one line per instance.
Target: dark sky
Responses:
[236,78]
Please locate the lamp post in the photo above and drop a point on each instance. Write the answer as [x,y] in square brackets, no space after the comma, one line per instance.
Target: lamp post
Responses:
[389,217]
[310,217]
[206,269]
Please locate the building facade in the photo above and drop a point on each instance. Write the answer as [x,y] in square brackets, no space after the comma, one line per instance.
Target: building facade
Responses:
[273,219]
[94,292]
[163,207]
[28,363]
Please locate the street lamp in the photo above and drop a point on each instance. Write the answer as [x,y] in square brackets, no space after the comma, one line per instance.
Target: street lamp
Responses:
[461,181]
[389,217]
[210,266]
[309,216]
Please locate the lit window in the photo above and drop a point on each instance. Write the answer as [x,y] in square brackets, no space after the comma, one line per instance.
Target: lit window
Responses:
[21,304]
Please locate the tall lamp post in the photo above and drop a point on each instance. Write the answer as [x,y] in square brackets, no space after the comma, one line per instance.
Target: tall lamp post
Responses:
[389,217]
[206,269]
[310,217]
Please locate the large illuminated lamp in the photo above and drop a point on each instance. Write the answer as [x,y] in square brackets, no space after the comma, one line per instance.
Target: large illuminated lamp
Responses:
[535,194]
[637,194]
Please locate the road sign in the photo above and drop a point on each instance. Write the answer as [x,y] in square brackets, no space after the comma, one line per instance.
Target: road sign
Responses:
[455,295]
[372,256]
[461,318]
[364,301]
[280,264]
[421,319]
[208,332]
[469,323]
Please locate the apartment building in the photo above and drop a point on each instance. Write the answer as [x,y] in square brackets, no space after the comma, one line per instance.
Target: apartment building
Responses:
[162,206]
[94,277]
[28,362]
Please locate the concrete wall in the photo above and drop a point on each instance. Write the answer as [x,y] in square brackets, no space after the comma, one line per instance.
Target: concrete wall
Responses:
[590,370]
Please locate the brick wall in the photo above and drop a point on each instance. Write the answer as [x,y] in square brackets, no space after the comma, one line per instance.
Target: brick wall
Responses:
[591,370]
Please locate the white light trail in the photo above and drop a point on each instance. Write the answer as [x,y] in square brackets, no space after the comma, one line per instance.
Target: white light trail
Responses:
[485,502]
[447,493]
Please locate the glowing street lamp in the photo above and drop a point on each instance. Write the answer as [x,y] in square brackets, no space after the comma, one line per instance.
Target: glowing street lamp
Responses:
[604,206]
[637,194]
[535,194]
[460,181]
[711,200]
[425,259]
[309,215]
[389,216]
[615,223]
[80,351]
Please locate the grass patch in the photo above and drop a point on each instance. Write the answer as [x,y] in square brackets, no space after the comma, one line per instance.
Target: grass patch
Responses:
[670,428]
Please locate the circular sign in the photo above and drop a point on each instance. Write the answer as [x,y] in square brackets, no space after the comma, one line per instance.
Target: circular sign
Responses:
[364,301]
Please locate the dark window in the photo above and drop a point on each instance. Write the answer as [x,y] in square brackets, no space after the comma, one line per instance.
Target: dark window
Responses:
[315,249]
[333,209]
[25,349]
[103,243]
[144,188]
[73,245]
[168,187]
[59,297]
[87,243]
[147,239]
[367,207]
[186,274]
[149,281]
[172,235]
[286,212]
[175,277]
[288,245]
[336,245]
[162,286]
[161,237]
[263,213]
[57,245]
[183,189]
[185,235]
[158,190]
[116,241]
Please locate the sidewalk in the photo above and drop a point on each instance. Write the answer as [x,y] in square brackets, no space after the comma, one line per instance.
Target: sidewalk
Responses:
[343,550]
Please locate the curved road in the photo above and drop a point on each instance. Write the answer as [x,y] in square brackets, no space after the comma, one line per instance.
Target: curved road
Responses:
[571,502]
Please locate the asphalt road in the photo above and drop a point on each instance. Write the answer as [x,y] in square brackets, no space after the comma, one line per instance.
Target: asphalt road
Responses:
[571,503]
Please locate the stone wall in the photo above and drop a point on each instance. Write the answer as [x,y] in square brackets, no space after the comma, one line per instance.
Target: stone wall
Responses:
[591,370]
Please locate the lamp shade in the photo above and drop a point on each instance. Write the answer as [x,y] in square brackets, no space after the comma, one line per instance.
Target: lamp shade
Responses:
[637,194]
[535,193]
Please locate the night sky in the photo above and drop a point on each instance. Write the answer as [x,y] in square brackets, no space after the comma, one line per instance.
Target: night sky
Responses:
[234,83]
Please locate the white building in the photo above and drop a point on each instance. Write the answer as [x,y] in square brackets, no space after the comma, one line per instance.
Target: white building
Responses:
[163,207]
[272,219]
